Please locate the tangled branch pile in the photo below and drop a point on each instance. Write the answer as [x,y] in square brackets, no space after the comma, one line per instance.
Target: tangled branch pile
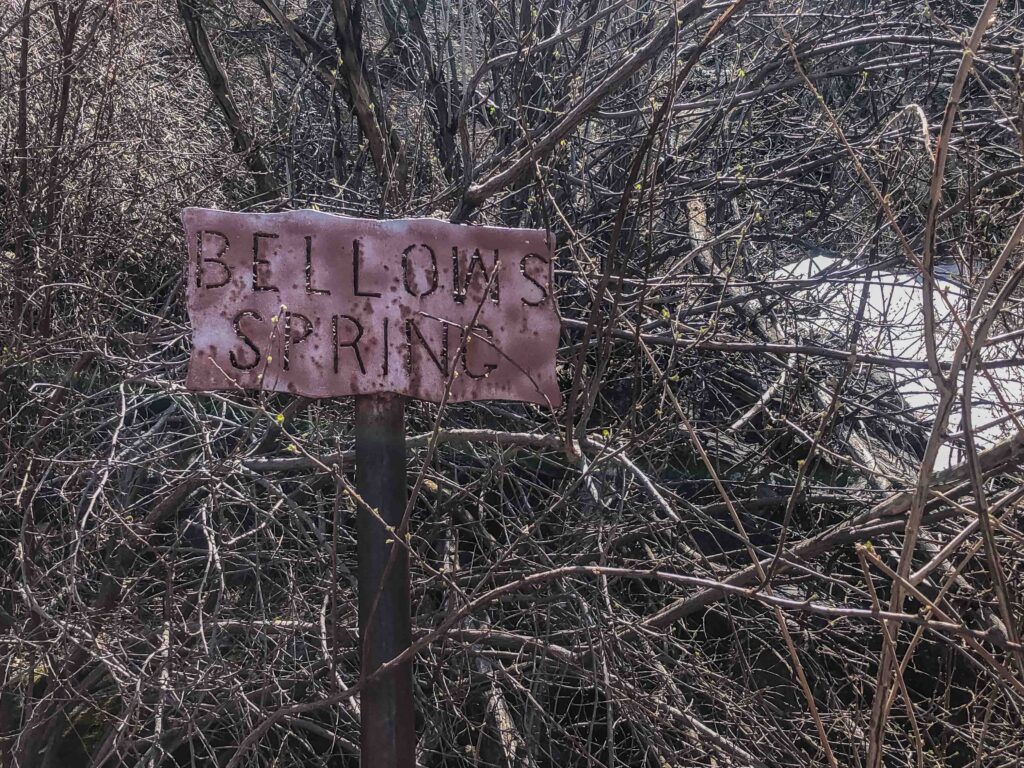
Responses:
[777,521]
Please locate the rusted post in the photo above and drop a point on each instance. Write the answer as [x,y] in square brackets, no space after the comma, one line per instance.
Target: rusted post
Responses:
[387,715]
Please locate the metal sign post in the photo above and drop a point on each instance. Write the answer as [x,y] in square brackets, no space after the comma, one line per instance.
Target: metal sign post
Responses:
[387,717]
[329,306]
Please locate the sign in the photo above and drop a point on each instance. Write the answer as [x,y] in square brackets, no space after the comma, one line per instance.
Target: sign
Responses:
[327,306]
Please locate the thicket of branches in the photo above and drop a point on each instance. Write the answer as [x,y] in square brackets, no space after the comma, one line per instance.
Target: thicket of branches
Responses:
[744,540]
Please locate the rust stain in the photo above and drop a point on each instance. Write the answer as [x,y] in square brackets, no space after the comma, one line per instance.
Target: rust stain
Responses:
[329,306]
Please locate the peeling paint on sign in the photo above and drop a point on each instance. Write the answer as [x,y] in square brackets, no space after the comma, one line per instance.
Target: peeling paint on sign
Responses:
[328,306]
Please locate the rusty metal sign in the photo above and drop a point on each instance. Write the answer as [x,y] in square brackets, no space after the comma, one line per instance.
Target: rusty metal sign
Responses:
[327,306]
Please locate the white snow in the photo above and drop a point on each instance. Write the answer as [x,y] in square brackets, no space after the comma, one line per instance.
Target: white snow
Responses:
[894,326]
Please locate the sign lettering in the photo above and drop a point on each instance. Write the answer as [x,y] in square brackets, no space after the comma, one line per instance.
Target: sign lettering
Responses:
[329,306]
